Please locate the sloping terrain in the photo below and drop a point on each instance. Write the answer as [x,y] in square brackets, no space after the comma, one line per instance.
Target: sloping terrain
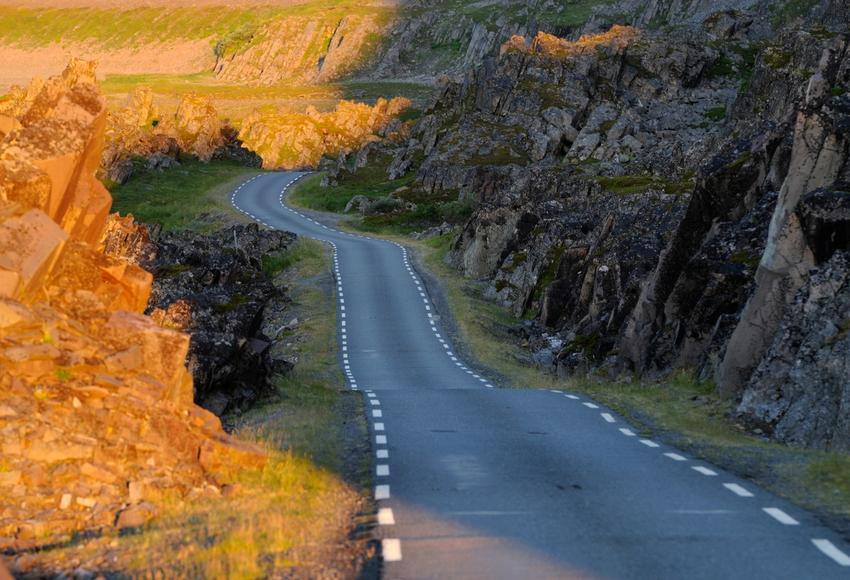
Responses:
[661,199]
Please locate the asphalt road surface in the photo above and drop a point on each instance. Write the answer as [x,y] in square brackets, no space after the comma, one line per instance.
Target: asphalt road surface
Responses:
[477,481]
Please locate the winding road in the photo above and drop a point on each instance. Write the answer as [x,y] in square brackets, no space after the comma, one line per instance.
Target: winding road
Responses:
[476,481]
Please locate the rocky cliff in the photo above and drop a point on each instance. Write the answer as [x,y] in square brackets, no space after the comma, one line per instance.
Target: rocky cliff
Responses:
[98,419]
[664,200]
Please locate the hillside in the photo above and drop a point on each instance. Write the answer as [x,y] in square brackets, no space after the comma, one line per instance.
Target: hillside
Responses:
[656,199]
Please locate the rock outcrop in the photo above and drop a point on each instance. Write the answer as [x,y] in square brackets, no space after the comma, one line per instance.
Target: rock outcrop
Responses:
[297,141]
[663,201]
[95,398]
[138,133]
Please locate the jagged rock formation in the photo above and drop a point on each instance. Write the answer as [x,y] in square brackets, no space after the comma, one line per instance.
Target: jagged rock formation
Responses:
[95,399]
[139,131]
[651,200]
[296,141]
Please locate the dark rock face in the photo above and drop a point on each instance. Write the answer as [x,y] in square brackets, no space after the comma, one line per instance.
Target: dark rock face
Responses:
[664,201]
[214,288]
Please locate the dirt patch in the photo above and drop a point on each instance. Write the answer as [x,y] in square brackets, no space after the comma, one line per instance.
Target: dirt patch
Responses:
[178,58]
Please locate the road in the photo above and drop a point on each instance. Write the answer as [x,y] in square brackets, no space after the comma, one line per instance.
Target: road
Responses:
[477,481]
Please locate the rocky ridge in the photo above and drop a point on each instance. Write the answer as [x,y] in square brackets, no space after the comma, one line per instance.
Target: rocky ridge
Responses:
[299,141]
[98,420]
[139,132]
[662,201]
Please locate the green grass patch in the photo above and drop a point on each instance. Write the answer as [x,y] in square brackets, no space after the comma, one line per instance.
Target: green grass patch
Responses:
[636,184]
[370,181]
[573,13]
[178,197]
[307,418]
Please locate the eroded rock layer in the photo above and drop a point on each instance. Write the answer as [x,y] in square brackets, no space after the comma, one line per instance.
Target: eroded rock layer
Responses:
[97,418]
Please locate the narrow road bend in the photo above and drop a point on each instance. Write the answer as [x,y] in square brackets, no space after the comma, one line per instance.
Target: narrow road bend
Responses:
[474,481]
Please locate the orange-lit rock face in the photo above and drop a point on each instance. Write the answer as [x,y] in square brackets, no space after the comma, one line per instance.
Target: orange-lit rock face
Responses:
[553,46]
[95,399]
[293,141]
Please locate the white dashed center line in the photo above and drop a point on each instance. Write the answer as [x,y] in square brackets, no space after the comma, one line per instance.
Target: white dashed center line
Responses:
[391,550]
[386,517]
[382,492]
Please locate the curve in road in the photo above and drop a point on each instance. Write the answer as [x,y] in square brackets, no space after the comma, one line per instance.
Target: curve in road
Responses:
[474,481]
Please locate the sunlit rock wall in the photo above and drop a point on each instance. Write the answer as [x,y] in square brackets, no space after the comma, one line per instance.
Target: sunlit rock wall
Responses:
[96,414]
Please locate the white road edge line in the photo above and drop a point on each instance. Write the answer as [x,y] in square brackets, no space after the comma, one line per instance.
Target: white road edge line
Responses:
[382,492]
[738,490]
[676,457]
[704,470]
[780,516]
[829,550]
[608,417]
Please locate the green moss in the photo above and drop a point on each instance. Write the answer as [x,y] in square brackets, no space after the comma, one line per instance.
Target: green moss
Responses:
[786,10]
[499,156]
[746,258]
[607,125]
[741,161]
[235,302]
[837,91]
[550,270]
[722,67]
[776,58]
[715,114]
[172,270]
[64,375]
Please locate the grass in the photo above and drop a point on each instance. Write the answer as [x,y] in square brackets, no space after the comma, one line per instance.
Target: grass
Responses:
[309,424]
[133,27]
[183,197]
[371,182]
